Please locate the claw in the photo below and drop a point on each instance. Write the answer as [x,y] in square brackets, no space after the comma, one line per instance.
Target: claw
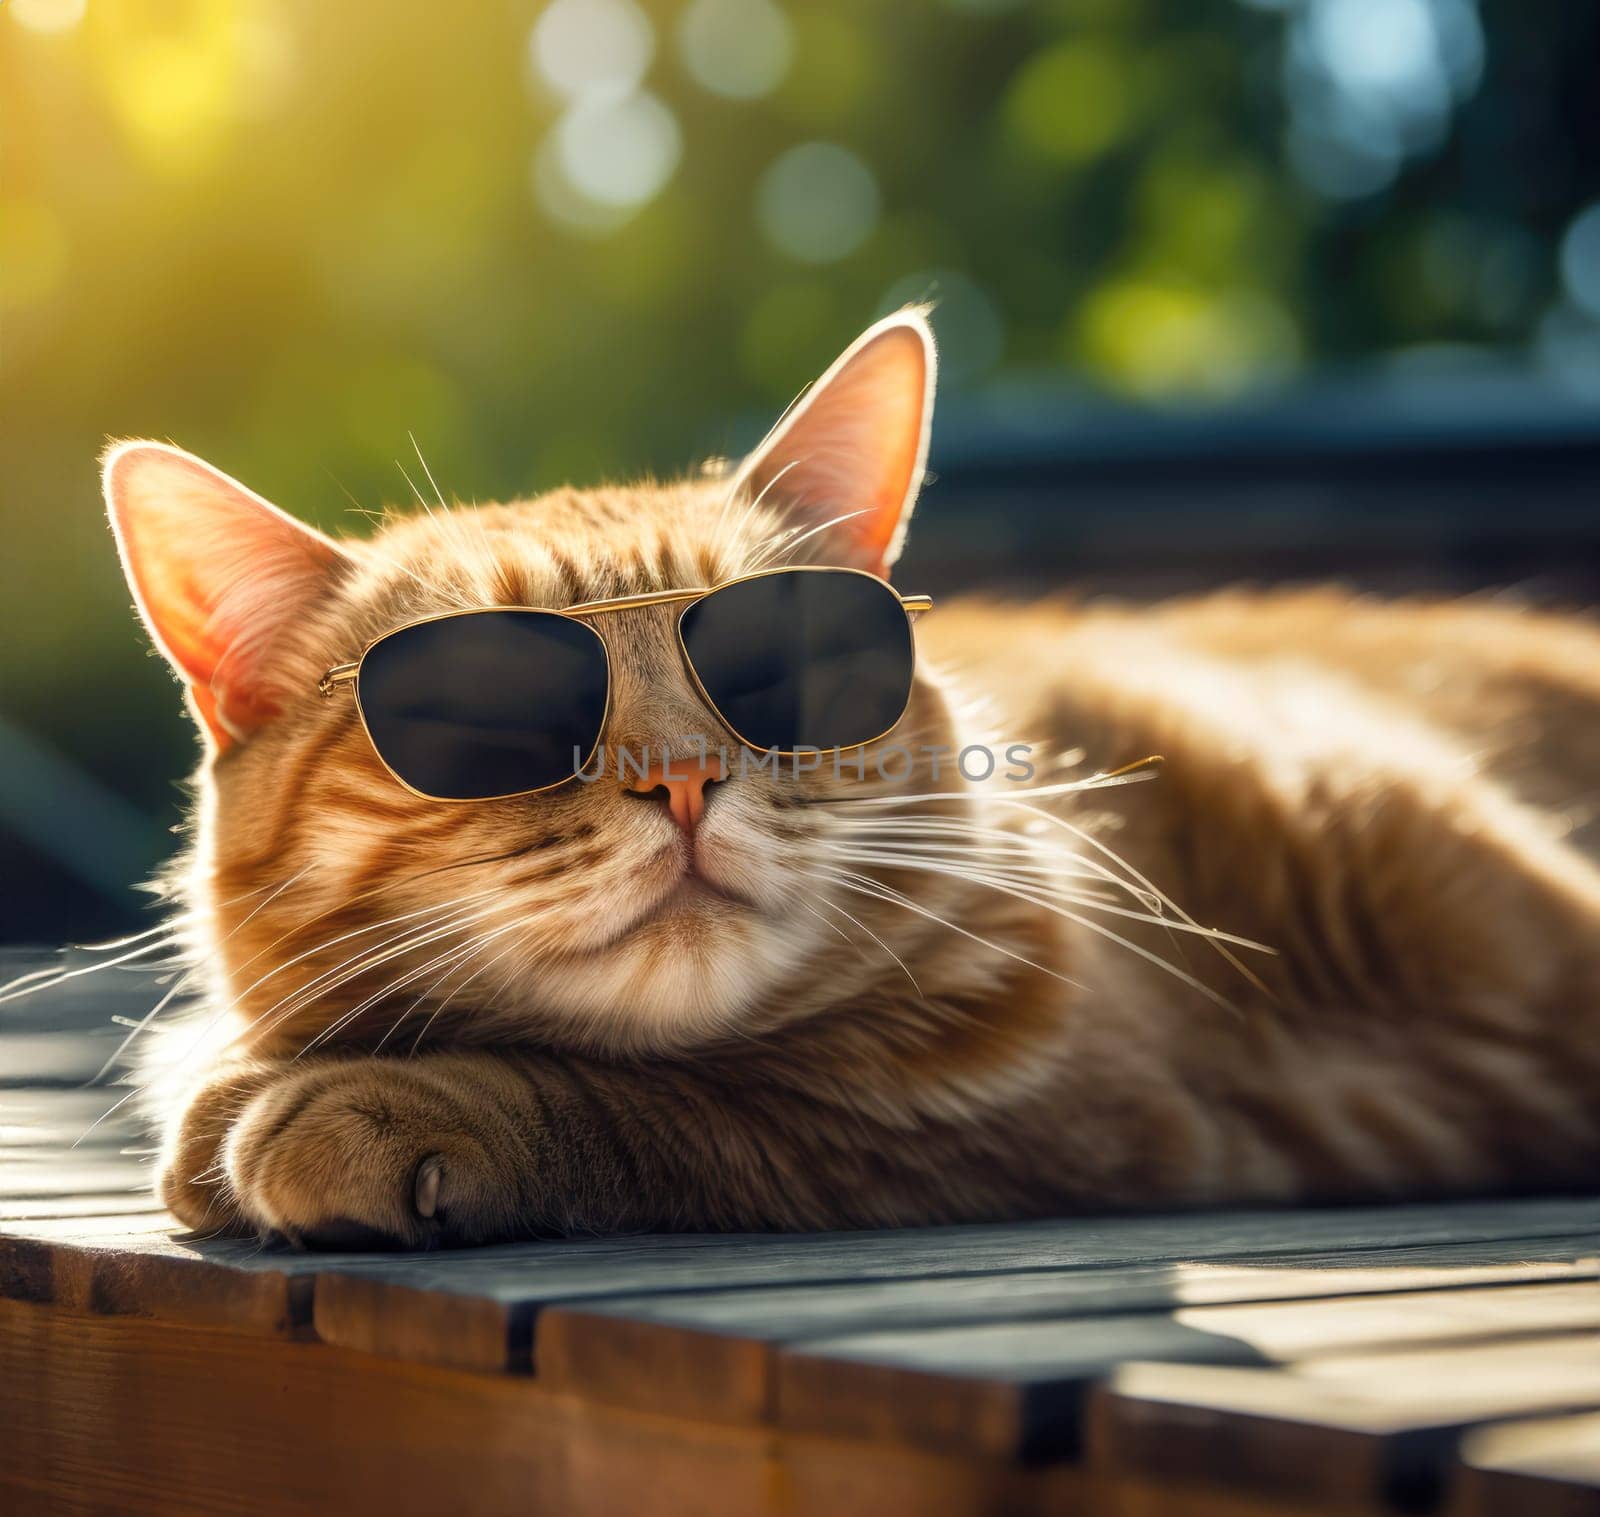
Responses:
[426,1190]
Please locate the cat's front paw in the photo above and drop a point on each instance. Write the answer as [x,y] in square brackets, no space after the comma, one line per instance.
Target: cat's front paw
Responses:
[371,1153]
[190,1178]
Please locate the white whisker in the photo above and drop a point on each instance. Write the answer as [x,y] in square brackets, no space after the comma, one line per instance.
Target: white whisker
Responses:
[1034,898]
[478,948]
[835,906]
[943,864]
[876,889]
[33,983]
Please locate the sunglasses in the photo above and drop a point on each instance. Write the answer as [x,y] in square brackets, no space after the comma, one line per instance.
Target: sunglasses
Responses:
[486,705]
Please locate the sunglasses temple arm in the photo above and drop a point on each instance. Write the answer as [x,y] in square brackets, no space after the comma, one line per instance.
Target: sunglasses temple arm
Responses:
[340,674]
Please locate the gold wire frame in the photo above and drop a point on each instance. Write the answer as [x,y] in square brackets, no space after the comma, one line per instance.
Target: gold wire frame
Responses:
[349,673]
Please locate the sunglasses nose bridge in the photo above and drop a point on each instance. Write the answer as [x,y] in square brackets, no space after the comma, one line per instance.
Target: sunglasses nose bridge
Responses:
[656,705]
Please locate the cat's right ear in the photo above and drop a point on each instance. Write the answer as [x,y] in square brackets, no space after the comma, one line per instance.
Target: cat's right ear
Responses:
[217,574]
[849,455]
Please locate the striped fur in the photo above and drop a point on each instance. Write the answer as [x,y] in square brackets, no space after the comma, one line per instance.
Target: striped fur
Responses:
[431,1022]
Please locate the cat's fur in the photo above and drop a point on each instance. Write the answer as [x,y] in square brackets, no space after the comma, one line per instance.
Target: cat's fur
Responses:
[459,1022]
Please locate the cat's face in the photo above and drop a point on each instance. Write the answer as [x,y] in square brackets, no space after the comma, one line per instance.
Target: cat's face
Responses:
[338,904]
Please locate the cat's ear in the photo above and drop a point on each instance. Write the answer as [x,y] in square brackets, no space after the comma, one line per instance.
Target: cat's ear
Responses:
[217,574]
[850,453]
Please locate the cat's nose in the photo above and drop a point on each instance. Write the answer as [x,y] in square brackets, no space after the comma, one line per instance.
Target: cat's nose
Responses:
[682,782]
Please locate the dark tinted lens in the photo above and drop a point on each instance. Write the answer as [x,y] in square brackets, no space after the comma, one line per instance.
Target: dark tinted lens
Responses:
[803,658]
[485,704]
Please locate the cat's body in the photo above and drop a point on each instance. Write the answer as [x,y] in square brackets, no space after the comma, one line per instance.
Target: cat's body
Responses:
[840,1003]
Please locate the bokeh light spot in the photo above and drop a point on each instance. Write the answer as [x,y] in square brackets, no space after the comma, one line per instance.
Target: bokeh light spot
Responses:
[1580,260]
[1374,44]
[737,48]
[174,94]
[269,65]
[1373,83]
[1568,346]
[1070,103]
[818,202]
[563,202]
[588,48]
[1157,338]
[1204,215]
[619,153]
[48,15]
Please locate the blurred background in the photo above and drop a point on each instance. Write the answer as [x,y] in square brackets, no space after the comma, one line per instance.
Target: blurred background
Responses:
[1227,289]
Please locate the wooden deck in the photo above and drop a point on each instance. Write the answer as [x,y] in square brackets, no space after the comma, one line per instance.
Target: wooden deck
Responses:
[1403,1359]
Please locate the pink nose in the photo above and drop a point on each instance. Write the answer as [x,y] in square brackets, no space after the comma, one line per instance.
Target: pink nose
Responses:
[684,780]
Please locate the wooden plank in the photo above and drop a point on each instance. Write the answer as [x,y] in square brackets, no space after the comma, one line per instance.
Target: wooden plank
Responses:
[450,1328]
[836,1308]
[1549,1467]
[68,1122]
[388,1302]
[1154,1497]
[714,1348]
[45,1057]
[106,1414]
[73,1184]
[20,1216]
[79,1226]
[135,1264]
[49,1173]
[1018,1388]
[69,1152]
[31,1116]
[1347,1326]
[830,1477]
[230,1284]
[1359,1430]
[143,1419]
[1007,1391]
[624,1360]
[63,1033]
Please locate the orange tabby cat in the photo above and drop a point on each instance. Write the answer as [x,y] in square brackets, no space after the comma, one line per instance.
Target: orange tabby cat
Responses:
[815,1000]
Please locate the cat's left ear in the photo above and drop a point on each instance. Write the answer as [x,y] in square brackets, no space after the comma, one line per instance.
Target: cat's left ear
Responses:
[850,453]
[219,576]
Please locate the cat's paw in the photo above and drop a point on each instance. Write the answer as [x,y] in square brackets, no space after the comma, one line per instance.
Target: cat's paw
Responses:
[369,1153]
[190,1179]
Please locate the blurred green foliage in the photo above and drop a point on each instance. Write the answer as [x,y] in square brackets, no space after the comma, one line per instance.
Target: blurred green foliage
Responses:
[586,241]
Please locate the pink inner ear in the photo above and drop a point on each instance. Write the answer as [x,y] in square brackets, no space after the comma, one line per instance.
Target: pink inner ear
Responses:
[855,446]
[217,573]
